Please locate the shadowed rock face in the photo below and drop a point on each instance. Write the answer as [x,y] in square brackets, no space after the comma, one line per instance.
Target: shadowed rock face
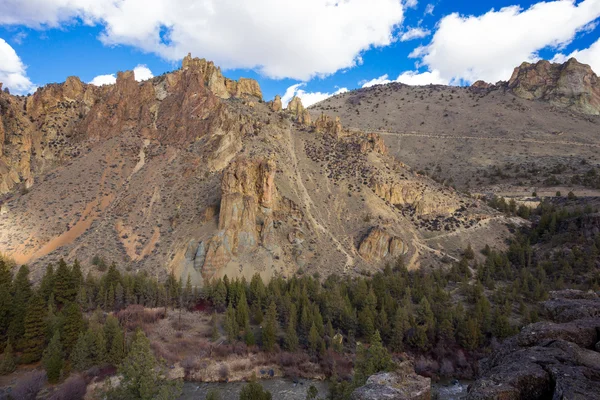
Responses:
[572,85]
[548,360]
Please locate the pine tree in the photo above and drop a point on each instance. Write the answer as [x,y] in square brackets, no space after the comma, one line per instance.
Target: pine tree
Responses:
[82,354]
[242,310]
[214,326]
[290,340]
[119,297]
[53,359]
[114,340]
[188,293]
[20,299]
[5,301]
[76,275]
[269,332]
[400,327]
[254,391]
[47,284]
[73,324]
[64,285]
[143,379]
[36,329]
[219,296]
[231,326]
[7,365]
[313,339]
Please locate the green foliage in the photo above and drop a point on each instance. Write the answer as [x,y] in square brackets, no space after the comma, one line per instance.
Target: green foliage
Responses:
[254,391]
[72,326]
[312,393]
[36,329]
[213,394]
[21,293]
[5,301]
[269,332]
[53,359]
[7,364]
[370,360]
[143,377]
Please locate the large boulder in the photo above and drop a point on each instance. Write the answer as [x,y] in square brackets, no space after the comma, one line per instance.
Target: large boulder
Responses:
[547,360]
[402,384]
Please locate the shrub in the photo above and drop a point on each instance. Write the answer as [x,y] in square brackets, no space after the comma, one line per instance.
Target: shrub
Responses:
[29,386]
[74,388]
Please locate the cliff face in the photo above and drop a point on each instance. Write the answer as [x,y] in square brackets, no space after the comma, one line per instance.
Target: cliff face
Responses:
[572,85]
[189,172]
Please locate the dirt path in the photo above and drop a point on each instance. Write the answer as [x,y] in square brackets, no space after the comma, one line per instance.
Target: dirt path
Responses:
[308,202]
[485,138]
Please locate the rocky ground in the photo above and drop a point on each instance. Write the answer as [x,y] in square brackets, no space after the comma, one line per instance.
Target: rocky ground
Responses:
[558,359]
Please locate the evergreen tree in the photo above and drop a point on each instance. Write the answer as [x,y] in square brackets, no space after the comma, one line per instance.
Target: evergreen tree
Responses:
[371,360]
[36,329]
[82,354]
[231,326]
[290,340]
[214,325]
[73,325]
[213,394]
[269,332]
[188,293]
[7,365]
[254,391]
[313,338]
[114,340]
[119,297]
[219,295]
[143,378]
[400,327]
[47,284]
[20,299]
[76,275]
[64,286]
[53,359]
[5,301]
[242,310]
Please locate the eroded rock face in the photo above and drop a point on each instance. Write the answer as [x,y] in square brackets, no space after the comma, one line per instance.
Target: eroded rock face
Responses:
[296,108]
[326,124]
[276,105]
[375,143]
[572,84]
[378,244]
[222,87]
[547,359]
[248,197]
[414,194]
[403,384]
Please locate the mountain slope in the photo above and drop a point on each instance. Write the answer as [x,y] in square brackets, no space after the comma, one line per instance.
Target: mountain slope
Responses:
[193,173]
[485,138]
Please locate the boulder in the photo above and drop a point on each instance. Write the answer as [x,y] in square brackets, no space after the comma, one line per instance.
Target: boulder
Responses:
[276,105]
[403,384]
[378,244]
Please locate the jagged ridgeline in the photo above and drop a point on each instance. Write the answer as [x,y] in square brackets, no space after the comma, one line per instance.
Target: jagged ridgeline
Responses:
[192,172]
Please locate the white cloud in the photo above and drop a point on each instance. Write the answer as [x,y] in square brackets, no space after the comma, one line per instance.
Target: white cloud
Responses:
[12,71]
[100,80]
[272,36]
[414,78]
[308,98]
[382,80]
[414,33]
[411,3]
[429,9]
[590,56]
[488,47]
[141,73]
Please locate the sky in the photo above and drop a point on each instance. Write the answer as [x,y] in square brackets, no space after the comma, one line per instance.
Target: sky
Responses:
[309,48]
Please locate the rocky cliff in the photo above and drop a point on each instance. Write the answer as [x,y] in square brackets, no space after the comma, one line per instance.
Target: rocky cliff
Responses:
[189,172]
[572,85]
[559,359]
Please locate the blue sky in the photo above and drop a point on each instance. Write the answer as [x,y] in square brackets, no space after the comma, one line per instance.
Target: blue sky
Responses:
[290,49]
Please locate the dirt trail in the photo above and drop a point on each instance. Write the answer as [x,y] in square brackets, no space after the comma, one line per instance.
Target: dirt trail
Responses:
[486,138]
[308,202]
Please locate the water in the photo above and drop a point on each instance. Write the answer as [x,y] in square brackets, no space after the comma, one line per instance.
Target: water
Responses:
[280,388]
[450,390]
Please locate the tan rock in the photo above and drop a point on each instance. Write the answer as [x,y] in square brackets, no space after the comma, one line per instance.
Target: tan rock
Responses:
[325,124]
[572,84]
[415,194]
[378,244]
[276,105]
[375,143]
[296,108]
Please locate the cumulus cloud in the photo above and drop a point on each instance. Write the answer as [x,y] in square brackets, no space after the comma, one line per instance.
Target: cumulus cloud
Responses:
[308,98]
[411,3]
[590,56]
[429,9]
[414,33]
[488,47]
[272,36]
[12,70]
[413,78]
[141,73]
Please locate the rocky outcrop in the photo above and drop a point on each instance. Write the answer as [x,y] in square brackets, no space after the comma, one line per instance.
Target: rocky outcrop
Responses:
[572,85]
[248,197]
[550,359]
[375,143]
[378,244]
[414,194]
[326,124]
[300,114]
[402,384]
[217,83]
[276,105]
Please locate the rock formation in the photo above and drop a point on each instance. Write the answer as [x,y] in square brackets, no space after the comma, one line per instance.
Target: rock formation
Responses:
[378,244]
[572,85]
[548,360]
[276,105]
[402,384]
[301,115]
[326,124]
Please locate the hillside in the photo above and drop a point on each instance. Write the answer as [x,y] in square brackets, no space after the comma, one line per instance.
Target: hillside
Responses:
[537,132]
[193,173]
